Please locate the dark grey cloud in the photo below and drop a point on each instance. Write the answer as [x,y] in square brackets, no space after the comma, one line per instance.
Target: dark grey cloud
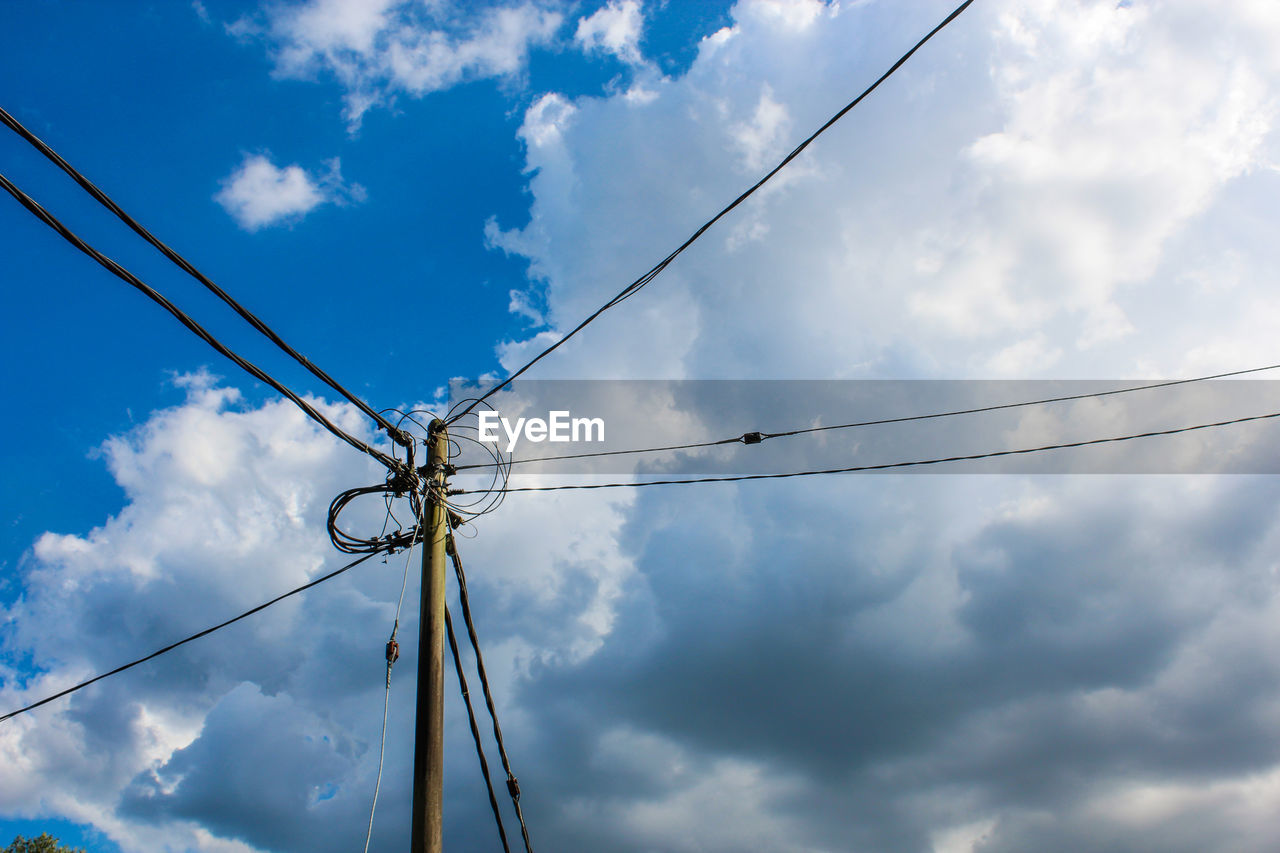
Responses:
[261,768]
[741,639]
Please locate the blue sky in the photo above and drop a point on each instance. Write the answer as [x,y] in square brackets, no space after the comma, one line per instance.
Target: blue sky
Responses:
[412,192]
[163,129]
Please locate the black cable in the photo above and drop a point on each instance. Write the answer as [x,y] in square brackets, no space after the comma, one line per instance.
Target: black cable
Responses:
[195,636]
[394,541]
[653,273]
[493,497]
[397,485]
[886,465]
[392,654]
[513,785]
[665,447]
[758,437]
[404,482]
[190,269]
[253,370]
[475,729]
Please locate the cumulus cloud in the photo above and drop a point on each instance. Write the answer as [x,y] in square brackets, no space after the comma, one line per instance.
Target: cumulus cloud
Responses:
[615,28]
[896,663]
[259,193]
[379,49]
[925,663]
[1015,242]
[263,736]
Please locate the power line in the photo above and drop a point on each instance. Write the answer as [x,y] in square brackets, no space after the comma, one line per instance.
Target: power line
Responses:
[196,636]
[253,370]
[349,544]
[475,730]
[464,599]
[393,654]
[653,273]
[758,437]
[190,269]
[886,465]
[507,463]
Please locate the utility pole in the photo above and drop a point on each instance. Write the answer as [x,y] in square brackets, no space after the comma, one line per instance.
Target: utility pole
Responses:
[428,763]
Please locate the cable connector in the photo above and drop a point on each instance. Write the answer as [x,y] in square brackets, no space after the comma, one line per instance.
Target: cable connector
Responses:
[513,788]
[752,438]
[402,482]
[393,655]
[401,438]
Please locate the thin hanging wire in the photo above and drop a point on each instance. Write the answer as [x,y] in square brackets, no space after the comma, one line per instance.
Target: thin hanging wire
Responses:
[386,697]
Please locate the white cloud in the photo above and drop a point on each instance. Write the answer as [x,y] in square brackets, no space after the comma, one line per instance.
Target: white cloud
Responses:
[258,193]
[264,735]
[881,663]
[1117,134]
[615,28]
[206,532]
[381,48]
[498,46]
[1008,201]
[761,137]
[793,15]
[520,304]
[546,121]
[316,30]
[1021,200]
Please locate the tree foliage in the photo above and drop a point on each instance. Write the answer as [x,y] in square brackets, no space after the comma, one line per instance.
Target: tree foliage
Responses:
[44,843]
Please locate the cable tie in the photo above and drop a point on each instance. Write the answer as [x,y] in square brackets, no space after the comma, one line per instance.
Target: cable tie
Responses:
[433,468]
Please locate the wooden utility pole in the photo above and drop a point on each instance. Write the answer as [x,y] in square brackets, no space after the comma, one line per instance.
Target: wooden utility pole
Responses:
[428,764]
